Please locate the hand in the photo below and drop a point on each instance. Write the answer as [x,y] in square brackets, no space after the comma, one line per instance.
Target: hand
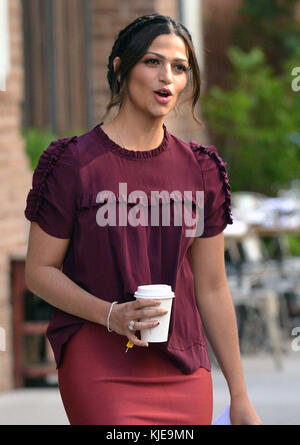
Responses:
[242,412]
[123,313]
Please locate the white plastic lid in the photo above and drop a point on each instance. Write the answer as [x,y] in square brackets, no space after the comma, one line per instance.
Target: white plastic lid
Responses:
[154,291]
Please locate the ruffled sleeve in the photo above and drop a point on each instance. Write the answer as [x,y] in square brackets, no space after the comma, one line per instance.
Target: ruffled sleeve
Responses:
[51,202]
[217,190]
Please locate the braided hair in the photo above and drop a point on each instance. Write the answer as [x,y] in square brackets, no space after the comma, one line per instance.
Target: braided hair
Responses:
[132,43]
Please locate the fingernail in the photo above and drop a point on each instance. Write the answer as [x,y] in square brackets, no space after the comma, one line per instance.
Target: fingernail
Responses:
[158,302]
[146,345]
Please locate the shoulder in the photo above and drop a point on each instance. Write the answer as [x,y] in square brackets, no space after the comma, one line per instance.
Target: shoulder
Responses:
[209,158]
[184,145]
[183,149]
[70,148]
[214,169]
[205,152]
[62,148]
[206,156]
[200,152]
[54,160]
[177,140]
[54,182]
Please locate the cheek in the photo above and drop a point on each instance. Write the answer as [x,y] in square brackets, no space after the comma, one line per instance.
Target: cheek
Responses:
[181,84]
[143,79]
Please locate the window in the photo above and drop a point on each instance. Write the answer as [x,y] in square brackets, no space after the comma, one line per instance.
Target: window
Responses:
[56,59]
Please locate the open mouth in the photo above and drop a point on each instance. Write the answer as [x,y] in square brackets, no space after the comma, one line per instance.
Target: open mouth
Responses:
[162,93]
[163,96]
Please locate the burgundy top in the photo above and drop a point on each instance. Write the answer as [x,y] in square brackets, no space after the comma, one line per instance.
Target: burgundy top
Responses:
[110,261]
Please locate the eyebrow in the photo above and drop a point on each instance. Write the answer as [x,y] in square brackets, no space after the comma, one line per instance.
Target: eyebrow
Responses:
[163,57]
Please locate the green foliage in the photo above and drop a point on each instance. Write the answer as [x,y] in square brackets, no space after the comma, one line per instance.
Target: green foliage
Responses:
[36,141]
[256,122]
[270,24]
[294,244]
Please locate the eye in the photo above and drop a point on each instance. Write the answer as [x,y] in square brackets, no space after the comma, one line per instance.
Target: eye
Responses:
[150,60]
[182,68]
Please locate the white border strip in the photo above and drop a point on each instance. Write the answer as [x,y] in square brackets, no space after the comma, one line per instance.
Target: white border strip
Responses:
[4,45]
[192,19]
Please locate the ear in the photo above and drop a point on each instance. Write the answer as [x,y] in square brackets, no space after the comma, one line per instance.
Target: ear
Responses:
[116,63]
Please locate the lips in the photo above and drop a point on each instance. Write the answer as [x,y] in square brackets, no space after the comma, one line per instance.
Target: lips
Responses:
[163,92]
[161,98]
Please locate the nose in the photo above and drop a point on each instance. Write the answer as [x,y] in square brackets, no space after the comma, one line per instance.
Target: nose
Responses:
[166,73]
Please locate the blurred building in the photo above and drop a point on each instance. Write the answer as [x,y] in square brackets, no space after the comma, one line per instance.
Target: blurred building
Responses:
[53,61]
[14,173]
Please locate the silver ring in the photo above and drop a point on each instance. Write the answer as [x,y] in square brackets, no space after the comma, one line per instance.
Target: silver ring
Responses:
[131,325]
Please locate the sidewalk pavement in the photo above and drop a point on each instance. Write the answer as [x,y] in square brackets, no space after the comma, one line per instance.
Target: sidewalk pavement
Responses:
[274,393]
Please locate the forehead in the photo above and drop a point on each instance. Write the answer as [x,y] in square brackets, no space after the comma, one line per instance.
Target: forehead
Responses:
[169,44]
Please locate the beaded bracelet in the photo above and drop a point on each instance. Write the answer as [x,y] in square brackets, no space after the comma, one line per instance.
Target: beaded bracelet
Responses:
[107,321]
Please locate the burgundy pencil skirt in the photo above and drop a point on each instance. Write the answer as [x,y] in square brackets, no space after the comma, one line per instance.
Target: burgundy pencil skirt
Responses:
[100,384]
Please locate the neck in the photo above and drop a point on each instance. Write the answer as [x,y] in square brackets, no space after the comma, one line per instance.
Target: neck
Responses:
[138,133]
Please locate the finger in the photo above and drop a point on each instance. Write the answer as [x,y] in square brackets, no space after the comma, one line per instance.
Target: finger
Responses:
[140,325]
[145,302]
[150,313]
[136,341]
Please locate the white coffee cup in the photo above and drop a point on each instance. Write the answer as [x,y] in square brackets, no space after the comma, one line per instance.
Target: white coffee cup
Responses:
[163,293]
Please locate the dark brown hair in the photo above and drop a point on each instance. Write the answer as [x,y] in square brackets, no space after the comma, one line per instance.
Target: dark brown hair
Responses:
[132,43]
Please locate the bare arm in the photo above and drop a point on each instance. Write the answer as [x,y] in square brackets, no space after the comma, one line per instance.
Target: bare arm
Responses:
[215,306]
[217,312]
[44,277]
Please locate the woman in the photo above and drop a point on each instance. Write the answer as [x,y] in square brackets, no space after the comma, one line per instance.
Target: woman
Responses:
[83,264]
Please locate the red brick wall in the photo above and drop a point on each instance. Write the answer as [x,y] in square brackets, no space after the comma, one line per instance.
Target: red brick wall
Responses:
[16,176]
[218,17]
[15,181]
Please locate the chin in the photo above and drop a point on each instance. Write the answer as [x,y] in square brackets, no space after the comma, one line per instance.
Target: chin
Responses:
[161,114]
[161,110]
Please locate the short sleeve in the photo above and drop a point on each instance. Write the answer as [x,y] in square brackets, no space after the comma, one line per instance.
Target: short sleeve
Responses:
[217,190]
[51,201]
